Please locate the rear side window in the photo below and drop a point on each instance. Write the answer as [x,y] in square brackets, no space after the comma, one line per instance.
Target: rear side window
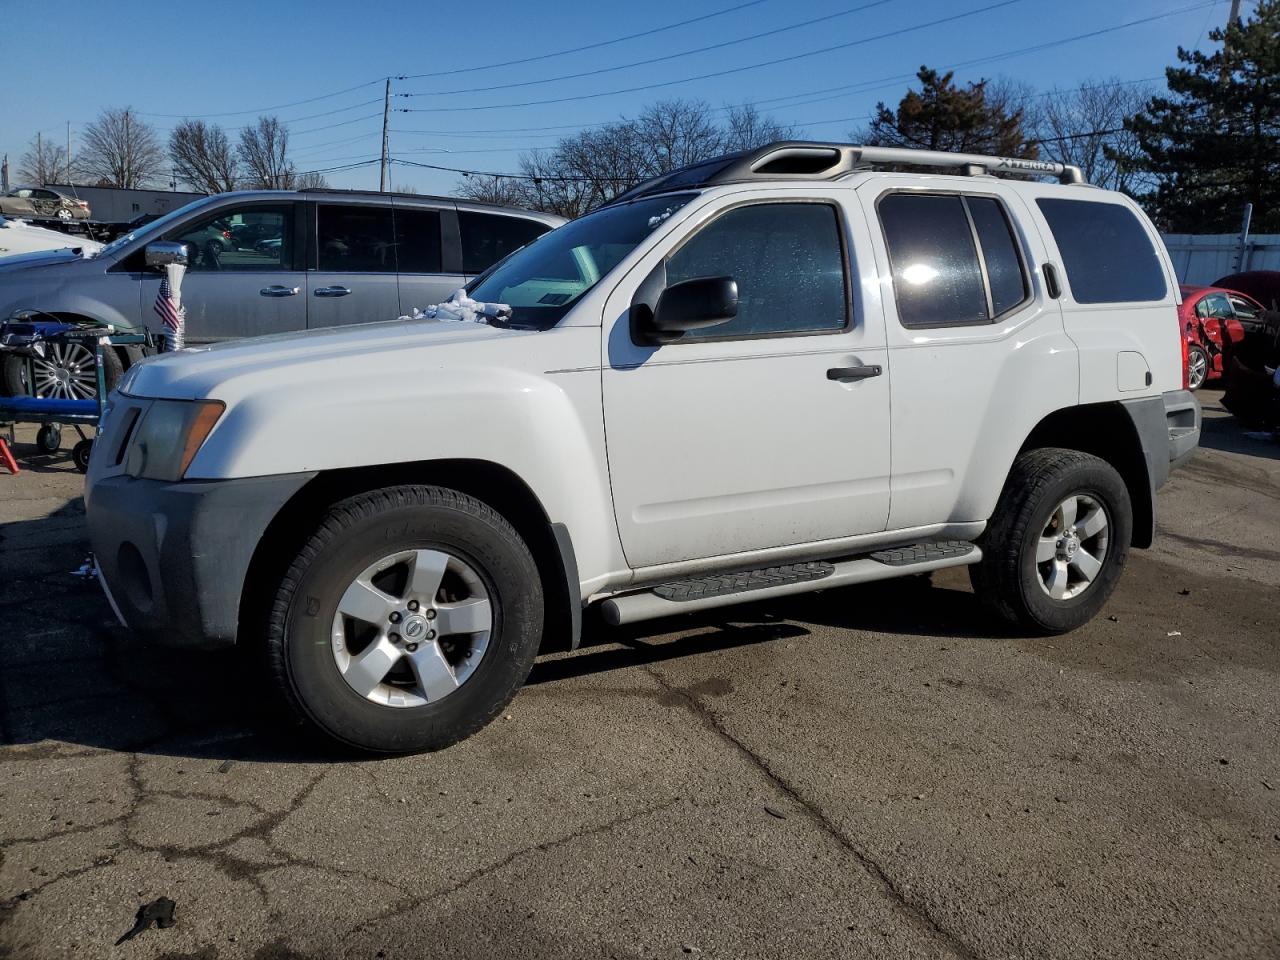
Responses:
[487,238]
[1106,252]
[788,262]
[999,254]
[936,273]
[418,240]
[354,239]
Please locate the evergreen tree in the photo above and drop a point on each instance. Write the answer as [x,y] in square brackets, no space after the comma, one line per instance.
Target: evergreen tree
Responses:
[976,118]
[1213,144]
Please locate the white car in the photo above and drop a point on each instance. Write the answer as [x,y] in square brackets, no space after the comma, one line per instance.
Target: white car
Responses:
[18,236]
[785,370]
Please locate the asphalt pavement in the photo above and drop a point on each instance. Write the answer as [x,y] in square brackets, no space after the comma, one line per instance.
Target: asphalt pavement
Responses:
[868,772]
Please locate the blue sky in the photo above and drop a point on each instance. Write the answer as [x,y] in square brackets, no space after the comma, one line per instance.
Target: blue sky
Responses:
[169,60]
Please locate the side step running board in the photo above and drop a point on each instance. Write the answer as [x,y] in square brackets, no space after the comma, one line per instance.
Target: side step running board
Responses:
[704,593]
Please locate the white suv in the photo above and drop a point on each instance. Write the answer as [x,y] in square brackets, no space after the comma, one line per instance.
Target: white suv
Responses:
[780,371]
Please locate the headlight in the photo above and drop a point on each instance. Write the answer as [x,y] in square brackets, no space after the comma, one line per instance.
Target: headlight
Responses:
[166,440]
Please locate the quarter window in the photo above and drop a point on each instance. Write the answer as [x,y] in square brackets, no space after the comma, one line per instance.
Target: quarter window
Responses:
[1105,250]
[487,238]
[355,239]
[788,261]
[999,254]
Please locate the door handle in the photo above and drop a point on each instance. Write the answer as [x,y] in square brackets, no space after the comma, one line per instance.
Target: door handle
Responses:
[279,291]
[859,372]
[332,291]
[1051,285]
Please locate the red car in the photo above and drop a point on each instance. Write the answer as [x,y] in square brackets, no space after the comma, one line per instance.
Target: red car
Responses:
[1211,318]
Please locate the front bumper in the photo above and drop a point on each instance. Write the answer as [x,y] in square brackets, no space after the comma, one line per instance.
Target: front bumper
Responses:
[174,556]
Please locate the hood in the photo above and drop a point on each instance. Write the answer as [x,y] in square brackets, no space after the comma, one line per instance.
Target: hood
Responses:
[41,258]
[340,356]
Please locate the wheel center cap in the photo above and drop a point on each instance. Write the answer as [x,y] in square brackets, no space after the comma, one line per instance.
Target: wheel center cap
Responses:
[1072,546]
[413,628]
[62,374]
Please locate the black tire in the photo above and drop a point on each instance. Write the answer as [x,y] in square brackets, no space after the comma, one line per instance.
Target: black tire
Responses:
[49,438]
[1008,579]
[359,531]
[1197,361]
[80,454]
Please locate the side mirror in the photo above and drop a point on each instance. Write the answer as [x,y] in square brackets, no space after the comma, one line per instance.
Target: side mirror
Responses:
[693,305]
[161,253]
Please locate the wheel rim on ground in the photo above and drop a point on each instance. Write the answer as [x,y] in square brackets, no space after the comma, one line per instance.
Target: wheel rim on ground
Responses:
[67,372]
[1072,548]
[412,628]
[1197,368]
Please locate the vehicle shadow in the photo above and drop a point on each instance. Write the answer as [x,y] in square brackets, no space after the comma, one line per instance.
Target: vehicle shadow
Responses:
[70,675]
[1228,435]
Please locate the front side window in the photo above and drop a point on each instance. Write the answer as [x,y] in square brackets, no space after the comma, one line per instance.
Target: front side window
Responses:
[1105,250]
[487,238]
[788,261]
[355,239]
[542,281]
[239,239]
[1217,305]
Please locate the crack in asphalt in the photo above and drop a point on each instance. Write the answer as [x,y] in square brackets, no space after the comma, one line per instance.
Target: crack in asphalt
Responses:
[917,914]
[416,899]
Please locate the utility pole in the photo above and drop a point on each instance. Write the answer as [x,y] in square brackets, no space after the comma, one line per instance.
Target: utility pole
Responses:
[1235,12]
[68,151]
[386,119]
[39,155]
[4,175]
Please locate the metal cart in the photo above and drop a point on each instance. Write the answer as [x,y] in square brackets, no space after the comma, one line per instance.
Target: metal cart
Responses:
[29,339]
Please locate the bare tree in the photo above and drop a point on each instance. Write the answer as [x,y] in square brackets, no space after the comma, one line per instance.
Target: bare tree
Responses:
[264,151]
[121,150]
[595,165]
[1086,127]
[44,162]
[404,188]
[308,181]
[203,157]
[746,128]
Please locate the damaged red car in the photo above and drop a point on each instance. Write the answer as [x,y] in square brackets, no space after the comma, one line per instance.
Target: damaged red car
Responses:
[1213,318]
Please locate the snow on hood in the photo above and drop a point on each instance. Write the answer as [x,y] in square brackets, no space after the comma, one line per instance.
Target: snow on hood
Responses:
[461,308]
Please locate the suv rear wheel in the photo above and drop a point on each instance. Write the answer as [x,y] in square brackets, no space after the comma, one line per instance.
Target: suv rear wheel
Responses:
[408,621]
[1058,540]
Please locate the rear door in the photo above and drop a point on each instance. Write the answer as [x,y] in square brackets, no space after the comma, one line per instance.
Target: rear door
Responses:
[353,274]
[231,291]
[427,253]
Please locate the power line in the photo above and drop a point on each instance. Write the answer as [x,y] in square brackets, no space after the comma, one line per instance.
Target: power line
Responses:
[279,106]
[653,60]
[722,73]
[589,46]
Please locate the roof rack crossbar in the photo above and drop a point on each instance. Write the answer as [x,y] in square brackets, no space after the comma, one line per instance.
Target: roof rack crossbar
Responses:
[1065,172]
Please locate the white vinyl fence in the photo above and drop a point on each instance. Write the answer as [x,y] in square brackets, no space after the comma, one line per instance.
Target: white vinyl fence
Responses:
[1203,258]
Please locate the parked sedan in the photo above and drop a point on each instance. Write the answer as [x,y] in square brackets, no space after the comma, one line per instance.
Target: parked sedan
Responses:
[19,237]
[42,202]
[1211,318]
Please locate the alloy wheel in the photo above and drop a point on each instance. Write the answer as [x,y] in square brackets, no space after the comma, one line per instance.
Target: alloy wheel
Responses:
[1197,368]
[68,371]
[412,628]
[1072,548]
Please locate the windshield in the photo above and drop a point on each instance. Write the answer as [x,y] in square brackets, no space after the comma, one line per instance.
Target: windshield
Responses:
[542,281]
[146,230]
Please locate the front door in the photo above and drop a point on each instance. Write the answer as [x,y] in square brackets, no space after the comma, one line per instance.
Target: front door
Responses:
[354,280]
[770,429]
[242,278]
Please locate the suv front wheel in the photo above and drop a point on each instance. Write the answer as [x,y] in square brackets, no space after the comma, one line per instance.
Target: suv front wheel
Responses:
[408,620]
[1057,542]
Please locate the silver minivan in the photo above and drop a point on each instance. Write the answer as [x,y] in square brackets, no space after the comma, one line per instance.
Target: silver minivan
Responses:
[262,262]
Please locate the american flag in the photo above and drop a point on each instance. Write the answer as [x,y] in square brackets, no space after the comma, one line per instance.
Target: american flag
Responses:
[164,305]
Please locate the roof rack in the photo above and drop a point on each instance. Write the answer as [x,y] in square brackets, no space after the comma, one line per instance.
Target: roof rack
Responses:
[803,160]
